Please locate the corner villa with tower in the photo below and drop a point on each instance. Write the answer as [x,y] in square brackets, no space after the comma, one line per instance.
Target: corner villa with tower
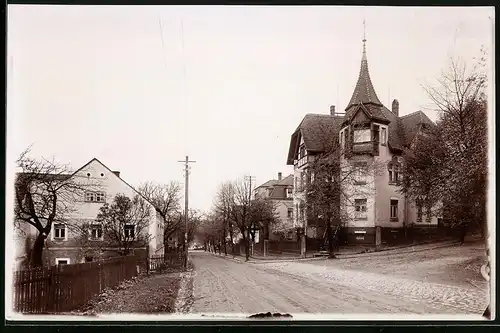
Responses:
[371,132]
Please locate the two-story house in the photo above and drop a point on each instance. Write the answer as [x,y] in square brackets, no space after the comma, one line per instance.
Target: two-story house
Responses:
[368,134]
[65,244]
[280,192]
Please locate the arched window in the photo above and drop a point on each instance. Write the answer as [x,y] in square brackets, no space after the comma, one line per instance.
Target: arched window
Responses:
[394,167]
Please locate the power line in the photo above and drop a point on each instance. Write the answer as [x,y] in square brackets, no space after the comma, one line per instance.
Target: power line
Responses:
[162,43]
[185,99]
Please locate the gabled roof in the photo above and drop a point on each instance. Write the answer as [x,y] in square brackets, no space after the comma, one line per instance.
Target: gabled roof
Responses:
[315,130]
[287,181]
[104,165]
[267,184]
[63,177]
[278,187]
[412,123]
[372,111]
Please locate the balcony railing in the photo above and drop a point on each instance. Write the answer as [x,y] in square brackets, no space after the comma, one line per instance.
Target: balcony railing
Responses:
[362,147]
[304,160]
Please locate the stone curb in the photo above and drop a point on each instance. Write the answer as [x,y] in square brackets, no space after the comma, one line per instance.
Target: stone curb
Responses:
[411,249]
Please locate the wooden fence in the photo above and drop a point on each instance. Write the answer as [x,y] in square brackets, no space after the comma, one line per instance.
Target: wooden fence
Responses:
[158,263]
[66,287]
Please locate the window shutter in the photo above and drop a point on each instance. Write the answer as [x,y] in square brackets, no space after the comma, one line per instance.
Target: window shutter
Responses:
[375,139]
[351,139]
[346,140]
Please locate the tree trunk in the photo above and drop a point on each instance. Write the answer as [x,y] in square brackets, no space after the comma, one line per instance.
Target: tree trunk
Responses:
[37,251]
[225,246]
[329,233]
[463,232]
[247,247]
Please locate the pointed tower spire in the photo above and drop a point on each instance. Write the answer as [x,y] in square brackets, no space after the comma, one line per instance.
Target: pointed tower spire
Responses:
[364,93]
[363,57]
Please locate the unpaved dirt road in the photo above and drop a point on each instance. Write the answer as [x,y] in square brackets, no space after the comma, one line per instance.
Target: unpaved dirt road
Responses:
[228,286]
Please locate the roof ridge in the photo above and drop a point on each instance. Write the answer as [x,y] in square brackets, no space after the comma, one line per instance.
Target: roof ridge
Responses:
[411,114]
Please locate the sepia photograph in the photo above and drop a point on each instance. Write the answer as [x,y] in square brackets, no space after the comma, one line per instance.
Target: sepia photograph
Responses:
[287,163]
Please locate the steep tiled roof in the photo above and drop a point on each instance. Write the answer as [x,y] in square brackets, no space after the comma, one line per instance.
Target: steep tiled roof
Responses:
[315,130]
[395,136]
[364,93]
[287,181]
[411,124]
[278,187]
[268,183]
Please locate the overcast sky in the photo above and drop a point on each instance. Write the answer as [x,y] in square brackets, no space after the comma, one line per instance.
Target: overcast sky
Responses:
[228,89]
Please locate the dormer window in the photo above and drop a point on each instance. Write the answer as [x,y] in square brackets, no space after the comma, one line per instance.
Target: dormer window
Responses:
[302,151]
[361,135]
[289,192]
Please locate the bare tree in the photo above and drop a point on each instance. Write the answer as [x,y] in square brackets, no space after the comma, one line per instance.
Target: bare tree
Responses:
[209,231]
[244,212]
[223,205]
[125,223]
[448,163]
[331,183]
[166,200]
[263,216]
[45,194]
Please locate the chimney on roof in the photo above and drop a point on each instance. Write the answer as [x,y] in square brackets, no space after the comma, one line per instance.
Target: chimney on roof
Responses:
[117,173]
[332,110]
[279,175]
[395,107]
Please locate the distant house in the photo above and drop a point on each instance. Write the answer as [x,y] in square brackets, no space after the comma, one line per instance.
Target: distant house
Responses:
[280,191]
[366,132]
[64,244]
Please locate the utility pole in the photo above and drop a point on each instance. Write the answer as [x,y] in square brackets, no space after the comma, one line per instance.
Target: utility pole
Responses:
[249,179]
[186,204]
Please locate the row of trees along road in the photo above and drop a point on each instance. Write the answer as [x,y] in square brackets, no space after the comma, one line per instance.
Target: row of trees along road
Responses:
[234,217]
[449,163]
[45,195]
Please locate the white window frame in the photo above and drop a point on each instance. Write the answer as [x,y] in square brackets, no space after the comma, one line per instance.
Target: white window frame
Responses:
[63,259]
[125,230]
[54,232]
[362,135]
[341,139]
[92,226]
[98,197]
[360,177]
[383,135]
[288,213]
[289,192]
[362,213]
